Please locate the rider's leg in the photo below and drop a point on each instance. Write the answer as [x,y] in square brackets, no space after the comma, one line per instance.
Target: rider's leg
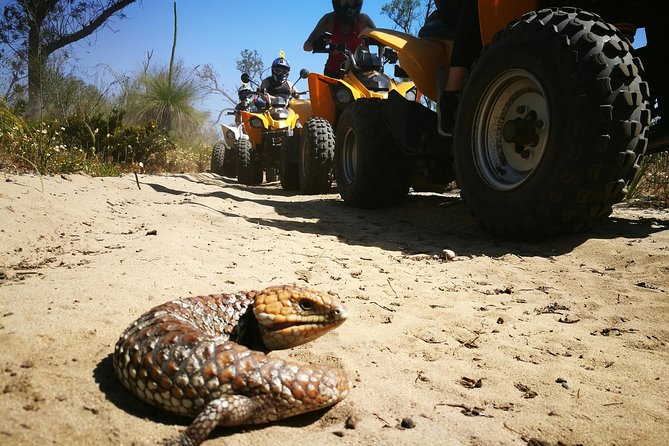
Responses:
[466,48]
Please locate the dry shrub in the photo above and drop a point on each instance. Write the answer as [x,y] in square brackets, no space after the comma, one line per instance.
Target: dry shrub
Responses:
[652,185]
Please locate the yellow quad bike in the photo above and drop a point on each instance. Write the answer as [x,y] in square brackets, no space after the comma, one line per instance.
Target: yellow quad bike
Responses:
[362,78]
[269,134]
[551,125]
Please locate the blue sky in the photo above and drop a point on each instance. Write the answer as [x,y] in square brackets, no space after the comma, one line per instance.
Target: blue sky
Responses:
[211,32]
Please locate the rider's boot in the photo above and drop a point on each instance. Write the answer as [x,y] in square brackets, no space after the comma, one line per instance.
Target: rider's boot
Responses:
[448,106]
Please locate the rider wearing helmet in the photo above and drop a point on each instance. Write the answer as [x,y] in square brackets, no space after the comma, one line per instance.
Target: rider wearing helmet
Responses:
[344,24]
[278,84]
[245,103]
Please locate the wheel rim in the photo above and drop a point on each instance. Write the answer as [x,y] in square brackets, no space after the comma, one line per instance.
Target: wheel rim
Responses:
[349,152]
[511,130]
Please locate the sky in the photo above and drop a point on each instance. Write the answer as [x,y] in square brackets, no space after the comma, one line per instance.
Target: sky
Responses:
[210,32]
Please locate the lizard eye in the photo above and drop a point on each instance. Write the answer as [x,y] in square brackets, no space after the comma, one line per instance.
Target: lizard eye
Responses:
[306,305]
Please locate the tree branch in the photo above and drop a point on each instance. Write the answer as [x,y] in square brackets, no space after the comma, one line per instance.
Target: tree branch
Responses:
[87,30]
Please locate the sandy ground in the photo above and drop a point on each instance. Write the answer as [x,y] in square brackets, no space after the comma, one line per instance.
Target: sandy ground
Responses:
[562,342]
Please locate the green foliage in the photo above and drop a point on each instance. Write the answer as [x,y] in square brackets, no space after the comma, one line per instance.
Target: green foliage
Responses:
[251,63]
[8,120]
[406,13]
[66,94]
[183,157]
[98,145]
[170,104]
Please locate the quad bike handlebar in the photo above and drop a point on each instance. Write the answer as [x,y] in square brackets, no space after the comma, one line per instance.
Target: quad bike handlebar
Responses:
[324,45]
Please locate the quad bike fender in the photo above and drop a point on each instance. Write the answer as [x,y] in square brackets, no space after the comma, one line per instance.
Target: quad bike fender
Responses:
[289,123]
[495,15]
[424,60]
[404,87]
[359,90]
[255,134]
[231,133]
[322,102]
[302,108]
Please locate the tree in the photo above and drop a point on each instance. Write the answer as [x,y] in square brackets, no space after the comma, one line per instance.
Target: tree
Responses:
[210,85]
[67,95]
[35,29]
[169,100]
[408,15]
[251,63]
[169,94]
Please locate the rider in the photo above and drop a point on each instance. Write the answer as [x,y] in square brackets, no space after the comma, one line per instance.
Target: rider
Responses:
[245,103]
[278,84]
[344,25]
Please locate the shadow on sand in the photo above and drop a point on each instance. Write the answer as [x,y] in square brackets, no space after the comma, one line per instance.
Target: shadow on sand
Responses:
[423,224]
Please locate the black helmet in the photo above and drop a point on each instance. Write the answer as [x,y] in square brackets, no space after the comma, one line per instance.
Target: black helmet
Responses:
[244,92]
[347,10]
[280,69]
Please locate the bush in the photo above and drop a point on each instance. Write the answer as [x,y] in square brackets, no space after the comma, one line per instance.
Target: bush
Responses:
[181,158]
[91,145]
[651,186]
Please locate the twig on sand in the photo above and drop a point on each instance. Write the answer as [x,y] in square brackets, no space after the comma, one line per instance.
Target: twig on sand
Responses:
[391,287]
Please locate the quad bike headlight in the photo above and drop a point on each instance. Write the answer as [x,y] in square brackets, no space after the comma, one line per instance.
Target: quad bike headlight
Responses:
[255,122]
[230,135]
[344,96]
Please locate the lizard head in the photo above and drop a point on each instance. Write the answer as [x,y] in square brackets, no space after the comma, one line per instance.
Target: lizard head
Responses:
[288,316]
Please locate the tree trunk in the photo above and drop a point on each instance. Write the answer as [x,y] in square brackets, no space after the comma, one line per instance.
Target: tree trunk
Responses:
[39,51]
[35,70]
[36,60]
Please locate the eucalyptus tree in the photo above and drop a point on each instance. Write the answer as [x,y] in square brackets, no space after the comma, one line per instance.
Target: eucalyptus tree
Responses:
[35,29]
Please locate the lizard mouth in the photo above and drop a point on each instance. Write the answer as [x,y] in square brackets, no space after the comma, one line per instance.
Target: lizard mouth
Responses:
[286,325]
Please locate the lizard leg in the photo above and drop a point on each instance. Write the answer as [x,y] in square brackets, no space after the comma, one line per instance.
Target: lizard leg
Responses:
[228,410]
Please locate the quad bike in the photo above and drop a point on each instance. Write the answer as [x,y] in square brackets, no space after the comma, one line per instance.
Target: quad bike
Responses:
[269,134]
[224,155]
[552,121]
[362,78]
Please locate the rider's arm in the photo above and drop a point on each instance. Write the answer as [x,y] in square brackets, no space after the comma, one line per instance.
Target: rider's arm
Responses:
[324,25]
[238,113]
[264,98]
[364,21]
[293,91]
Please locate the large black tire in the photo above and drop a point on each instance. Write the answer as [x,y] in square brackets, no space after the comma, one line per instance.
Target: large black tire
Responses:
[370,169]
[230,162]
[289,169]
[551,125]
[218,158]
[249,171]
[317,146]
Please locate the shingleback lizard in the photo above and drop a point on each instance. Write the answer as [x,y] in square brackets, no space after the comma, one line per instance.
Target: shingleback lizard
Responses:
[205,357]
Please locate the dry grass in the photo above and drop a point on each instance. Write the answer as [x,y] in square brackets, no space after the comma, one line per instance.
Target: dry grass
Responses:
[652,186]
